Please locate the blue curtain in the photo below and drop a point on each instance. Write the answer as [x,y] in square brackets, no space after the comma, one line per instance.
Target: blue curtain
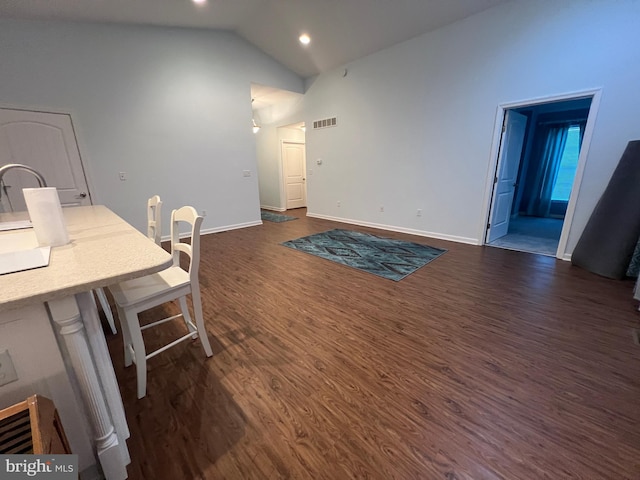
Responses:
[556,139]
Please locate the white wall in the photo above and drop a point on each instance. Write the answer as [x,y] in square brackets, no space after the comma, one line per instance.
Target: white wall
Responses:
[268,167]
[416,121]
[171,107]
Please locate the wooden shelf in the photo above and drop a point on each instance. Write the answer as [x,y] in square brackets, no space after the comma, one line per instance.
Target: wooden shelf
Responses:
[32,427]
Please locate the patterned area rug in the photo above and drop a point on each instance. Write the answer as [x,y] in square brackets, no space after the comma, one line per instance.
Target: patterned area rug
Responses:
[385,257]
[275,217]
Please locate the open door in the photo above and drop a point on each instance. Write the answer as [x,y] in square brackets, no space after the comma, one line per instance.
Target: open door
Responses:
[513,132]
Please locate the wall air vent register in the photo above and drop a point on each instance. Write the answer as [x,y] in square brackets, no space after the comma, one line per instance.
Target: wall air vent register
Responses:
[325,123]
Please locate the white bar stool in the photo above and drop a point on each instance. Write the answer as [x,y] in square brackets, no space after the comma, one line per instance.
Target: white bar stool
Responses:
[140,294]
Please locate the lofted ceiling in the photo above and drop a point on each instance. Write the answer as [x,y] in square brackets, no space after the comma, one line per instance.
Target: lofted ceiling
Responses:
[341,30]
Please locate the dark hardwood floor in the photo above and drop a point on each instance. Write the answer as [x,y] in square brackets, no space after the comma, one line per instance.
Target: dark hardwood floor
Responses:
[484,364]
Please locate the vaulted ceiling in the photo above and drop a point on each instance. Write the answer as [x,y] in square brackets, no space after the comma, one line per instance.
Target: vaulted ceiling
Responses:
[341,30]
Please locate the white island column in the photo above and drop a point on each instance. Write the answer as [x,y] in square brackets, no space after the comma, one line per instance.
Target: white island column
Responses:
[112,455]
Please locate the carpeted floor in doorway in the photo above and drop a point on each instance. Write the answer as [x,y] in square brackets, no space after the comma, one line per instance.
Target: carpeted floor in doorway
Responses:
[275,217]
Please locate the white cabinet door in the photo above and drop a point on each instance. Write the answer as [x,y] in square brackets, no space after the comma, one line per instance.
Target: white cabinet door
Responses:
[46,142]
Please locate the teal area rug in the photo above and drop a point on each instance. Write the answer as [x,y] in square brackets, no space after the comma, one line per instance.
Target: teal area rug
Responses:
[275,217]
[385,257]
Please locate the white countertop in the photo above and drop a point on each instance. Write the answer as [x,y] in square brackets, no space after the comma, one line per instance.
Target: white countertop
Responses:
[104,250]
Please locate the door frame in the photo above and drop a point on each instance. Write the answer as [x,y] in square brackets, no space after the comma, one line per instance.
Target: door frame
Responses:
[595,95]
[283,180]
[75,128]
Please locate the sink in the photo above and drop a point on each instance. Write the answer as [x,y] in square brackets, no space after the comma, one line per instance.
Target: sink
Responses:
[15,225]
[19,251]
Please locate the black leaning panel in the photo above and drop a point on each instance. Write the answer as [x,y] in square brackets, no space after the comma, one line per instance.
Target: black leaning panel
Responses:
[610,237]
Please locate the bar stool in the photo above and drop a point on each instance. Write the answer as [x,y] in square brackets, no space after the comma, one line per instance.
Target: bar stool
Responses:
[140,294]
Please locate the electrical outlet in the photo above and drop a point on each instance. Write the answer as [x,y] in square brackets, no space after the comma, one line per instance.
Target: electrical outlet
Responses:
[419,213]
[123,176]
[246,173]
[338,203]
[204,213]
[319,161]
[7,370]
[381,209]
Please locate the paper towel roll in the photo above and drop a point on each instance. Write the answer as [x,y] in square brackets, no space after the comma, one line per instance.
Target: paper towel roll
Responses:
[46,216]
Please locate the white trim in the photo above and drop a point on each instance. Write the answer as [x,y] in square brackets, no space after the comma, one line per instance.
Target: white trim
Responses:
[283,194]
[274,209]
[207,231]
[566,257]
[391,228]
[595,94]
[577,180]
[230,227]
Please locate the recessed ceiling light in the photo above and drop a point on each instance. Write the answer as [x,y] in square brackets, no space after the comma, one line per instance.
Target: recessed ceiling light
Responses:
[304,39]
[199,2]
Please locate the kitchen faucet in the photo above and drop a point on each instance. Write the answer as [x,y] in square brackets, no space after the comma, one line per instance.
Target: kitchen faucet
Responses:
[10,166]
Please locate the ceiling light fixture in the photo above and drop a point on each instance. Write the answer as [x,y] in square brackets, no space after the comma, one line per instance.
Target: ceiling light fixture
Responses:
[304,39]
[199,2]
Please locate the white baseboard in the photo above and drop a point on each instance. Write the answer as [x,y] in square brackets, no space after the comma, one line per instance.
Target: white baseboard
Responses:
[226,228]
[275,209]
[566,257]
[230,227]
[391,228]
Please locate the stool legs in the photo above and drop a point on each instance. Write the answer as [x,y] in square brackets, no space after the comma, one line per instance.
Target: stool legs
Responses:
[139,351]
[197,310]
[186,316]
[104,303]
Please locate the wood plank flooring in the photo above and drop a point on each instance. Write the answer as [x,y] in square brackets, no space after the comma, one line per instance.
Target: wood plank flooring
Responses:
[484,364]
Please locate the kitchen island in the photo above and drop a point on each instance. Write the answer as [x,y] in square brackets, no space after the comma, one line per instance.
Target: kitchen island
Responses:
[50,326]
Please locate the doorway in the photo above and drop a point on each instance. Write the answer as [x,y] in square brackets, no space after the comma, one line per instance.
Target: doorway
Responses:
[541,153]
[274,110]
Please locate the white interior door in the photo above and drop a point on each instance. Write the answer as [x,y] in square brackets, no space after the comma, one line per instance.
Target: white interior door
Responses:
[294,171]
[507,174]
[46,142]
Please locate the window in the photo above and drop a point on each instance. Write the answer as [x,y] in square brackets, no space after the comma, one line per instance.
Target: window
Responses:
[568,166]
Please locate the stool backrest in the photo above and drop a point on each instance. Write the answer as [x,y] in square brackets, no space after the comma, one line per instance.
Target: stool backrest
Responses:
[154,219]
[190,216]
